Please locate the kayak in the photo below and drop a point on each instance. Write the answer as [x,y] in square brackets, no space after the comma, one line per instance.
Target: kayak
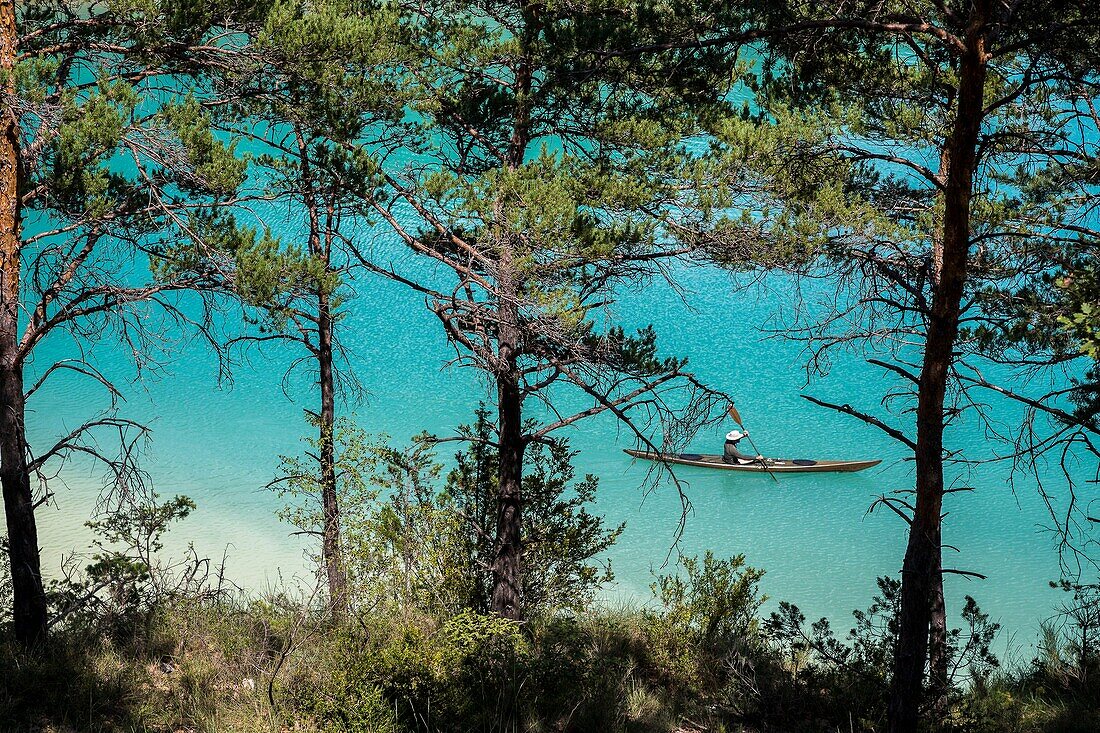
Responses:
[767,465]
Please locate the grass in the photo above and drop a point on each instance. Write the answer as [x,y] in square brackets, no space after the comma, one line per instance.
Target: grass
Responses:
[270,665]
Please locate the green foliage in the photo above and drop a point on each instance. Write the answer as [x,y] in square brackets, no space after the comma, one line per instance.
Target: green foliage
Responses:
[205,664]
[103,124]
[414,544]
[125,174]
[460,675]
[214,165]
[299,483]
[847,139]
[407,550]
[541,168]
[344,704]
[139,530]
[317,79]
[274,277]
[195,665]
[531,159]
[91,128]
[126,579]
[972,658]
[562,540]
[856,671]
[635,354]
[715,602]
[1071,312]
[331,68]
[1058,690]
[1070,649]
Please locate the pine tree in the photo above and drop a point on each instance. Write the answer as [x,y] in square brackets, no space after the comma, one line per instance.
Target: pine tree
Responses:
[317,77]
[545,176]
[934,160]
[111,186]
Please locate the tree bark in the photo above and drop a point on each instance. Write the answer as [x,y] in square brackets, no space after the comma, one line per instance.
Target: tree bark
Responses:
[29,598]
[937,643]
[320,249]
[330,543]
[921,568]
[507,599]
[938,660]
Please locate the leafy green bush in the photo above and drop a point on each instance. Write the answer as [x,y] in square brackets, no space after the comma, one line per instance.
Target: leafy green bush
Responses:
[344,706]
[126,580]
[463,674]
[713,603]
[419,543]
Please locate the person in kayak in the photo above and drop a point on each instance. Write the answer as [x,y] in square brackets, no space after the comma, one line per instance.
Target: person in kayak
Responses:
[732,455]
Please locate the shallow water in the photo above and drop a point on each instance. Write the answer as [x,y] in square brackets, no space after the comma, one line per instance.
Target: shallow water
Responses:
[812,533]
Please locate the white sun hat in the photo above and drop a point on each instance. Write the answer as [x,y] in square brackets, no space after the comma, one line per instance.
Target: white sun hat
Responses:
[735,435]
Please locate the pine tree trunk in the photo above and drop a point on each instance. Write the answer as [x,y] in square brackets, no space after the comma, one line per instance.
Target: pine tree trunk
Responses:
[937,651]
[29,599]
[937,642]
[331,553]
[506,599]
[921,568]
[330,542]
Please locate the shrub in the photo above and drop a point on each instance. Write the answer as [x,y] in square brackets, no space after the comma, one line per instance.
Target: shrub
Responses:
[463,674]
[713,604]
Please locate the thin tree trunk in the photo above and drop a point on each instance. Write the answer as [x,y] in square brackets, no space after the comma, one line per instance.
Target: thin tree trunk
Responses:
[29,599]
[921,568]
[506,599]
[937,642]
[330,544]
[331,554]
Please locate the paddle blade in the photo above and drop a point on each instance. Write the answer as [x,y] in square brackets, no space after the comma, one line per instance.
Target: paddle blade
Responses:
[736,416]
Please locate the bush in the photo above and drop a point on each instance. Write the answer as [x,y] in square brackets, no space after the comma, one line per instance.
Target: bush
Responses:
[463,674]
[698,659]
[424,543]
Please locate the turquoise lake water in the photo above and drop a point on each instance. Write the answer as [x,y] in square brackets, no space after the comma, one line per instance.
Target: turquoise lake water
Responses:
[813,534]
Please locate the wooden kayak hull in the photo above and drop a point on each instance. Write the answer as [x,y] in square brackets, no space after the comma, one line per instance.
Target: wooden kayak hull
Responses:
[774,465]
